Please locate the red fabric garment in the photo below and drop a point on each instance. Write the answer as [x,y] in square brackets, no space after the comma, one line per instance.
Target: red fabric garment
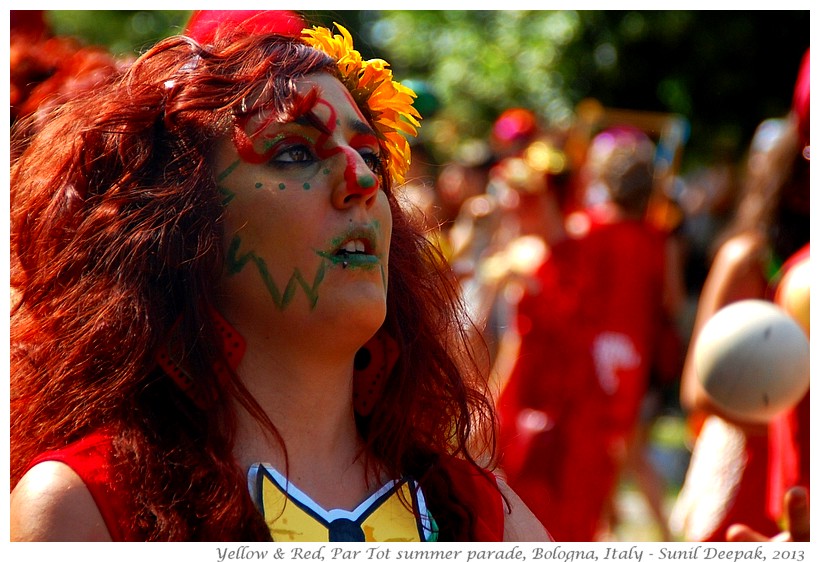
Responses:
[628,266]
[801,105]
[90,458]
[551,368]
[479,491]
[552,437]
[749,504]
[204,24]
[562,419]
[565,474]
[789,436]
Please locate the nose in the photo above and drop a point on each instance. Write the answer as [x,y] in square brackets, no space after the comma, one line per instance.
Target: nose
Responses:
[359,185]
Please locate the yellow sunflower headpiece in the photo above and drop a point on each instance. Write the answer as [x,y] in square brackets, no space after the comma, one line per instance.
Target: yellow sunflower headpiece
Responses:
[371,84]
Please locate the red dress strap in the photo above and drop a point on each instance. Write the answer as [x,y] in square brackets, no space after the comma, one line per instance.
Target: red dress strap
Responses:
[90,458]
[478,489]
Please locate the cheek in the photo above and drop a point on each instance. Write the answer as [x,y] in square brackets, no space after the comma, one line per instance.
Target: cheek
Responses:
[385,217]
[257,213]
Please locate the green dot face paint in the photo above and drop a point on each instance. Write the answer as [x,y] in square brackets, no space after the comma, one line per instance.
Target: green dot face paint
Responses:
[367,181]
[258,185]
[306,186]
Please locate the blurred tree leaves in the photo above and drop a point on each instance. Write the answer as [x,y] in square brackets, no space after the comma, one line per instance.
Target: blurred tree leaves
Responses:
[124,32]
[724,70]
[480,62]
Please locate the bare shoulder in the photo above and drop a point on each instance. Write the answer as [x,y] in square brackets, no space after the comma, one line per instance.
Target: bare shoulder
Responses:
[742,252]
[51,503]
[520,525]
[737,272]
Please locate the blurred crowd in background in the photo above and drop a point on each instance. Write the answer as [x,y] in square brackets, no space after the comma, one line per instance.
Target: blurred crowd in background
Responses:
[582,249]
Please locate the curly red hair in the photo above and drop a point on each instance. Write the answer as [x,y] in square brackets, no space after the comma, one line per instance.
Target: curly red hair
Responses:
[116,233]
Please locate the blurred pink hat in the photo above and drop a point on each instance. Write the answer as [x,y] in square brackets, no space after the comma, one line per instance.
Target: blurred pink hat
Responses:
[800,101]
[514,125]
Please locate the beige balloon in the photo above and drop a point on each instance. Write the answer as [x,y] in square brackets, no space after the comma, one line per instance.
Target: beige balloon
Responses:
[752,359]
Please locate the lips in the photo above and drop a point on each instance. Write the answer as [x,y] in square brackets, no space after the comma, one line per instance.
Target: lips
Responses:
[356,248]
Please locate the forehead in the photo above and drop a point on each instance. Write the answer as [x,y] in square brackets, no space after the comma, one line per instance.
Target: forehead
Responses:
[320,94]
[331,91]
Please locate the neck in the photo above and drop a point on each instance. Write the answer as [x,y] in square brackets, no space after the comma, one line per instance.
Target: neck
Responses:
[312,410]
[299,370]
[308,396]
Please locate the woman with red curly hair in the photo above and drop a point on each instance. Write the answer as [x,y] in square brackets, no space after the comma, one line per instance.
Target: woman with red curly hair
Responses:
[225,327]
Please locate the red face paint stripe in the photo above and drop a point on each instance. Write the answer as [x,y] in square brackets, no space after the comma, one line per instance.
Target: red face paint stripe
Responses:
[304,106]
[350,154]
[244,144]
[243,140]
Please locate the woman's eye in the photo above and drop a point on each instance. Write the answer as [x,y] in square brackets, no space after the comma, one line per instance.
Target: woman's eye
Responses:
[295,154]
[373,161]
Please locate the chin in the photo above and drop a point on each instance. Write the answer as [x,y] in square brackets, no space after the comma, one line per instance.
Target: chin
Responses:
[367,317]
[360,316]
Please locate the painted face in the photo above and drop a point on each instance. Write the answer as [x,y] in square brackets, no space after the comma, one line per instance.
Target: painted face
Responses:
[307,222]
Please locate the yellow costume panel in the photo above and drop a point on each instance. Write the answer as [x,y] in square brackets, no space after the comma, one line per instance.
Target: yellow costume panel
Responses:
[395,512]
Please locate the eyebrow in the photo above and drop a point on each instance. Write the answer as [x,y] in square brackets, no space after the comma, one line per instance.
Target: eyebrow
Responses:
[310,120]
[356,125]
[361,127]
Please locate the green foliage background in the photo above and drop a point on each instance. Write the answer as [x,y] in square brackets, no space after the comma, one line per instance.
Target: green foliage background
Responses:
[725,71]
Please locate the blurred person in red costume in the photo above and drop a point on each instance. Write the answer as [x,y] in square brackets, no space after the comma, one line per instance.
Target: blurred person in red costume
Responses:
[227,327]
[789,435]
[636,295]
[549,399]
[47,70]
[588,321]
[741,471]
[642,290]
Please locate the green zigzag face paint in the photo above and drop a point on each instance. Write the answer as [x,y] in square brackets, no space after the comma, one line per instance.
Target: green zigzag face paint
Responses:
[237,260]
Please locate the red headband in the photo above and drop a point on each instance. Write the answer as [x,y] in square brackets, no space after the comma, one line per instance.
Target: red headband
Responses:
[204,24]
